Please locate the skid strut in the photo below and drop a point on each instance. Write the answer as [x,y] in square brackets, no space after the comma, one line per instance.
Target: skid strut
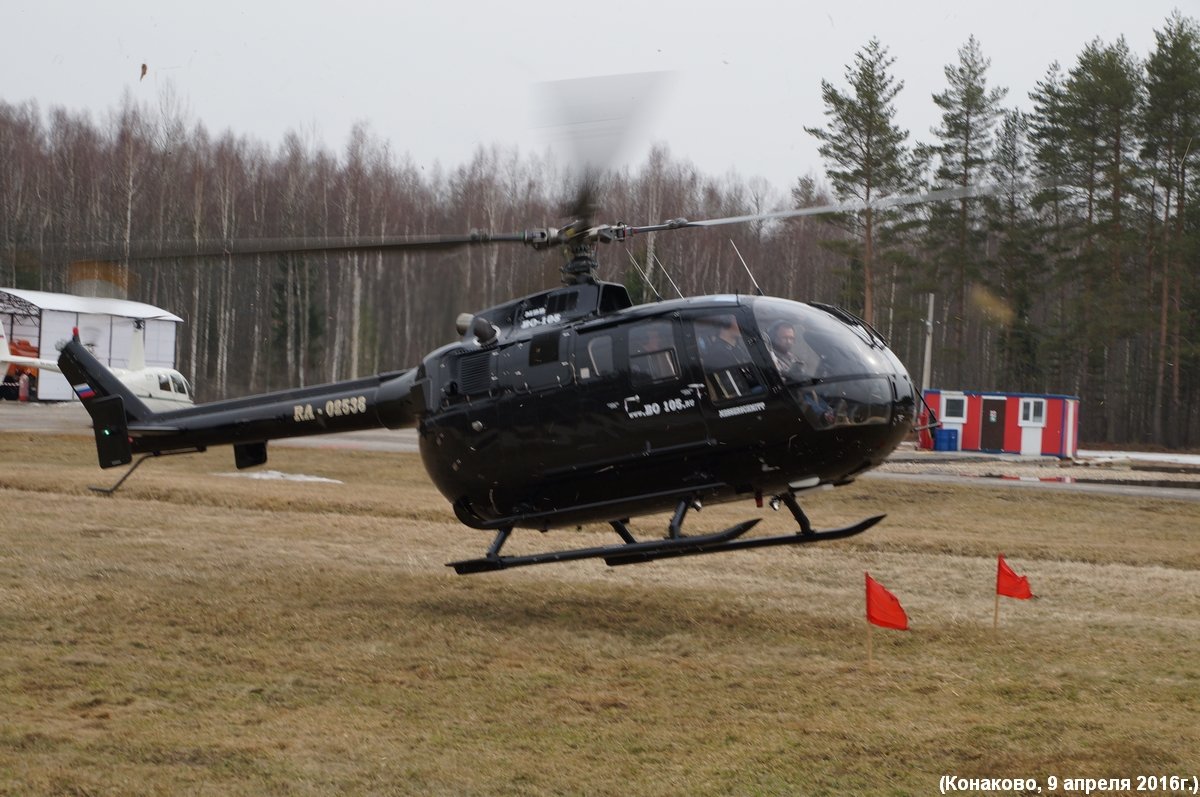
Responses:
[134,466]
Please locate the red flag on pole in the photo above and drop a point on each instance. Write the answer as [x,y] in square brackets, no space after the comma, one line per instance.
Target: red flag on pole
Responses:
[1009,584]
[883,609]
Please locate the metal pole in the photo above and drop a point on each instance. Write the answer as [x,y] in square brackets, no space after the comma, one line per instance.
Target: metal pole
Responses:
[925,376]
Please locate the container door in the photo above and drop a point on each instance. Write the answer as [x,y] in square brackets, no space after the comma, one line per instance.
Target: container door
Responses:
[991,435]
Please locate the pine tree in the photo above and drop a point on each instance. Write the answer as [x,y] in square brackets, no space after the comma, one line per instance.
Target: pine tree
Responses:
[1171,128]
[969,113]
[1054,202]
[1103,101]
[1019,258]
[865,153]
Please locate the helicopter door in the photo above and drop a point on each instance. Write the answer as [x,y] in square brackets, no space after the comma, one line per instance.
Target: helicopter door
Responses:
[733,382]
[601,391]
[662,399]
[730,375]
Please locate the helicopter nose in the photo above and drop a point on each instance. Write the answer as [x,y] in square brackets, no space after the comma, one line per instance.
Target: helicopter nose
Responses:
[850,402]
[878,410]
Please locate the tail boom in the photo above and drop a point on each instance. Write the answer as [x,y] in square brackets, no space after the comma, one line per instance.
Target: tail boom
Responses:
[388,400]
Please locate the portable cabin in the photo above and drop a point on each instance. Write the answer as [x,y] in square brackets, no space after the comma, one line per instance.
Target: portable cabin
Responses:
[37,321]
[1011,423]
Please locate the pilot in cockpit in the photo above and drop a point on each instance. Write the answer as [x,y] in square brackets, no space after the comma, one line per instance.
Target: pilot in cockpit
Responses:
[783,343]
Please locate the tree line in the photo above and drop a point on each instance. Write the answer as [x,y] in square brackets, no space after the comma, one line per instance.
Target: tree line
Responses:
[1072,272]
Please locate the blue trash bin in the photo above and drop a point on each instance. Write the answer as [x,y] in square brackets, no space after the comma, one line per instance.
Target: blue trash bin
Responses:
[945,440]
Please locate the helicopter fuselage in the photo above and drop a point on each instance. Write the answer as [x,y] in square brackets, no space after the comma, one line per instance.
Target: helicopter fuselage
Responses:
[626,412]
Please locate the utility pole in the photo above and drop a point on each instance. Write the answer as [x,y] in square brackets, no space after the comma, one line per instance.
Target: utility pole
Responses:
[928,370]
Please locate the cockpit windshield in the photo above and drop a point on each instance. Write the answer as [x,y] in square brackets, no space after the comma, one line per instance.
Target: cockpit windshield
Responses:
[838,373]
[809,344]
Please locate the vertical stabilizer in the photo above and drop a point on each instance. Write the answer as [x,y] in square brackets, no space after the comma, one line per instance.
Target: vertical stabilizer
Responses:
[91,382]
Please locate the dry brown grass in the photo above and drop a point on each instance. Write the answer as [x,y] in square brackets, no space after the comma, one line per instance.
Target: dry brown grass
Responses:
[211,635]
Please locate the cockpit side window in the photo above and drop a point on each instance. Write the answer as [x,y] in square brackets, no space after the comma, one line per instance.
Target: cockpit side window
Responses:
[652,353]
[177,383]
[594,356]
[164,382]
[729,370]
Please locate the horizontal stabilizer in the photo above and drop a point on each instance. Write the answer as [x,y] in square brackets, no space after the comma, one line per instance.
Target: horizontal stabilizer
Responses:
[152,430]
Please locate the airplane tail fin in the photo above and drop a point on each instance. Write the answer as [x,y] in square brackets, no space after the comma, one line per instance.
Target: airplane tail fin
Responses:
[111,405]
[11,357]
[137,349]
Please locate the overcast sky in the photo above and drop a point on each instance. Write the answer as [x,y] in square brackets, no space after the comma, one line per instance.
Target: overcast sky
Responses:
[438,79]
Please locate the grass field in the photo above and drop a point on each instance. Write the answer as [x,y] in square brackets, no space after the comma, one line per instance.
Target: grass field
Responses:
[203,634]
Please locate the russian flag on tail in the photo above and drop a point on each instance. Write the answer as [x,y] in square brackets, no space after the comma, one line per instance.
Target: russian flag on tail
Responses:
[84,391]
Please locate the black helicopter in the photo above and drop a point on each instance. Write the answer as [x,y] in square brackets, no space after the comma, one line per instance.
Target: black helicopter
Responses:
[573,405]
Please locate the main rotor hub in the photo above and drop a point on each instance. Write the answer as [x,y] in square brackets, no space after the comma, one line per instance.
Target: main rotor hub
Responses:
[579,241]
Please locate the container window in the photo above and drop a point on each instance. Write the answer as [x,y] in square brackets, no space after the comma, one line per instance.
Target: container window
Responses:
[1033,412]
[954,408]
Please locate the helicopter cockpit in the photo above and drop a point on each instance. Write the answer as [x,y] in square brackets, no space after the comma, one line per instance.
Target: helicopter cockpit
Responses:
[837,369]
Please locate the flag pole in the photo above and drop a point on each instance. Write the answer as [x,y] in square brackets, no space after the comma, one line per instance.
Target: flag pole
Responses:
[996,616]
[870,657]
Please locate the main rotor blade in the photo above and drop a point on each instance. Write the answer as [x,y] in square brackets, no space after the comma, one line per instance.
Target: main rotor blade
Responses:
[169,250]
[942,195]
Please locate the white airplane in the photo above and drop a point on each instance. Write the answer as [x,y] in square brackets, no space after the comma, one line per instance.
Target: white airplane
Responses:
[160,389]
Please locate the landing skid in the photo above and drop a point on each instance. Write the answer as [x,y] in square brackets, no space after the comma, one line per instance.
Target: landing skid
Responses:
[630,551]
[649,550]
[632,557]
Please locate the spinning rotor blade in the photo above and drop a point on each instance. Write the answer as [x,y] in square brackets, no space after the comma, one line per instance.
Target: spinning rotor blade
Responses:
[589,121]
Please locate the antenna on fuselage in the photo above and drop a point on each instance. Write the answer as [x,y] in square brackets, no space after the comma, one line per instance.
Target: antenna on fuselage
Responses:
[645,279]
[668,274]
[757,290]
